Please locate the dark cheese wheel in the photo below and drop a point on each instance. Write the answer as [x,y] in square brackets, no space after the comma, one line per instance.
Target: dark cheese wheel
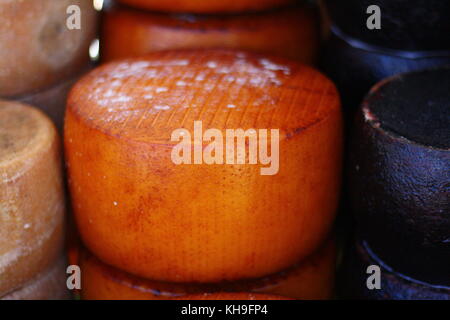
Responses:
[399,173]
[393,285]
[405,24]
[355,70]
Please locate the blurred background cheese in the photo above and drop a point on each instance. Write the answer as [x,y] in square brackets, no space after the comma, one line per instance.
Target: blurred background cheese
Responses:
[292,32]
[42,50]
[53,100]
[310,279]
[207,6]
[138,211]
[31,195]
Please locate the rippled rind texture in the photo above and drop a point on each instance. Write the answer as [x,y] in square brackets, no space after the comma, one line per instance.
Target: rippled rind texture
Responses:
[140,212]
[31,195]
[311,279]
[42,50]
[292,32]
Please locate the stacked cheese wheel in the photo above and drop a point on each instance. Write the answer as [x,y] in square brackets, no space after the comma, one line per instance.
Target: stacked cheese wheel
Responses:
[372,40]
[310,279]
[231,214]
[48,47]
[207,6]
[291,31]
[399,178]
[31,205]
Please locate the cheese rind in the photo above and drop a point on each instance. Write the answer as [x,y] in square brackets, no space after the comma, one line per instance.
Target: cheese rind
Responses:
[233,296]
[206,6]
[291,32]
[31,195]
[311,279]
[394,285]
[398,173]
[42,50]
[53,100]
[50,285]
[139,211]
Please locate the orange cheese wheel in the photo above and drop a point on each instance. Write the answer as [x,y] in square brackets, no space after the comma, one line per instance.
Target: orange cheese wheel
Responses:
[53,100]
[311,279]
[50,285]
[31,195]
[292,33]
[207,6]
[41,49]
[138,210]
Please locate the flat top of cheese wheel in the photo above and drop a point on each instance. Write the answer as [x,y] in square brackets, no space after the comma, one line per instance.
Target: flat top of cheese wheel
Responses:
[23,131]
[146,98]
[413,105]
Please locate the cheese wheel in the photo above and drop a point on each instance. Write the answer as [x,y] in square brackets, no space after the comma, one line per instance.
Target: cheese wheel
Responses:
[311,279]
[138,210]
[399,173]
[393,285]
[399,27]
[207,6]
[31,195]
[50,285]
[42,50]
[292,32]
[356,69]
[53,100]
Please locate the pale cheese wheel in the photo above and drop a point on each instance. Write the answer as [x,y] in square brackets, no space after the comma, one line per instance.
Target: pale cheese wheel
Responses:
[31,195]
[42,47]
[50,285]
[53,100]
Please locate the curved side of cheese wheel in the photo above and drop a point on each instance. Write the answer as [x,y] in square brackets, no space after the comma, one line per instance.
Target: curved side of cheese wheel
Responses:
[50,285]
[399,173]
[400,29]
[31,195]
[311,279]
[292,33]
[394,285]
[205,6]
[355,79]
[53,100]
[41,48]
[233,296]
[140,212]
